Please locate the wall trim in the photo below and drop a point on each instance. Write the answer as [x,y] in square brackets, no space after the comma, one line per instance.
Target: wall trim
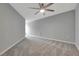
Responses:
[50,39]
[77,46]
[12,46]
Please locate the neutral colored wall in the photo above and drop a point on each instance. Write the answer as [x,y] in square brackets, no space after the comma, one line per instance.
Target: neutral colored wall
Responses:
[59,27]
[77,25]
[12,26]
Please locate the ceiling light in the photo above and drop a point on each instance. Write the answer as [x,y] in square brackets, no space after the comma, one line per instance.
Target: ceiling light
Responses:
[42,10]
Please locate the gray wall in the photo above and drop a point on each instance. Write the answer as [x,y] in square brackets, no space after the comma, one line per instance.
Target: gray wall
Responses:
[77,25]
[60,27]
[12,26]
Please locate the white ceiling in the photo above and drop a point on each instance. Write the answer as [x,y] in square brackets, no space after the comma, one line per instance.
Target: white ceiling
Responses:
[28,14]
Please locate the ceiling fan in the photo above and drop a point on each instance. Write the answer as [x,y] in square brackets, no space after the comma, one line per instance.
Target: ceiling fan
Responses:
[42,8]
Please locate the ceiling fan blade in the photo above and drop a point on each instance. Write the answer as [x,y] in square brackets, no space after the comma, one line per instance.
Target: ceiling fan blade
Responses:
[50,10]
[33,8]
[48,5]
[36,12]
[41,5]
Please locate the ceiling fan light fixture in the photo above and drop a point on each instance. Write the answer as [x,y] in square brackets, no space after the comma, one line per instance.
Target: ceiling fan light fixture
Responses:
[42,10]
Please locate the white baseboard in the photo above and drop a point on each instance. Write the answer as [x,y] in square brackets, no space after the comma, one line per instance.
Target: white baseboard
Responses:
[11,46]
[50,39]
[77,46]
